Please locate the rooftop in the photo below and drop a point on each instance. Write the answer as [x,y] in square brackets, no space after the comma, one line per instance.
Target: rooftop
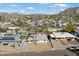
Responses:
[9,38]
[61,34]
[38,37]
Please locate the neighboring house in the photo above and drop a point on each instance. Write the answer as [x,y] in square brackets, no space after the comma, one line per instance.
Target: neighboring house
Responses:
[28,21]
[7,24]
[53,23]
[3,26]
[10,41]
[54,29]
[38,38]
[76,24]
[62,23]
[12,29]
[2,34]
[19,34]
[62,35]
[32,23]
[40,22]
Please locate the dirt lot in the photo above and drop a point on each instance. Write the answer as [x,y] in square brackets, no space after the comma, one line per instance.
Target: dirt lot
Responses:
[39,47]
[7,49]
[45,53]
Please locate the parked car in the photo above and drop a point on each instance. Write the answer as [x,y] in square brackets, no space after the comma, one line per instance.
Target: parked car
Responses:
[76,33]
[73,48]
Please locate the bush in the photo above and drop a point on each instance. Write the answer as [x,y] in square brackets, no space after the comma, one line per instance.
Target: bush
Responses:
[3,29]
[70,27]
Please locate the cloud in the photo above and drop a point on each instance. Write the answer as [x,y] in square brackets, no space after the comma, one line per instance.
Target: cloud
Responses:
[43,3]
[57,8]
[62,9]
[13,5]
[56,11]
[22,11]
[30,8]
[8,11]
[61,5]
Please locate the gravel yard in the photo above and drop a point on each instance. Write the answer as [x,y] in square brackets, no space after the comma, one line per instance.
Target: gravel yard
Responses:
[45,53]
[39,47]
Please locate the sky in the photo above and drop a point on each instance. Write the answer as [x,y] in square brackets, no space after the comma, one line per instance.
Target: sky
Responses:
[35,8]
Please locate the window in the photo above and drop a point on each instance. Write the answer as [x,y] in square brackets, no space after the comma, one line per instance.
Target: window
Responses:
[53,38]
[5,43]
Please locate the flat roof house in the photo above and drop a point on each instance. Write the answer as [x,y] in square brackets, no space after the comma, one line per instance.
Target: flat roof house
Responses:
[62,23]
[38,38]
[54,29]
[10,41]
[62,35]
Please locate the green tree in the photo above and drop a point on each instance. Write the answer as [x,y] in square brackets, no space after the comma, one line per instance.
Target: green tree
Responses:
[77,17]
[46,31]
[3,29]
[17,23]
[70,27]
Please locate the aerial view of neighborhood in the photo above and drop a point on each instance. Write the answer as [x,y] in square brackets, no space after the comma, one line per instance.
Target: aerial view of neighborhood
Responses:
[39,29]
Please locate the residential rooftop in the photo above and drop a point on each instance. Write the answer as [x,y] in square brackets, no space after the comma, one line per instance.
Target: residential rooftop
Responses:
[61,34]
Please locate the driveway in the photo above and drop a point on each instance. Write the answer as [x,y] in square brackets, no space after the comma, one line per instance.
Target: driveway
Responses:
[57,45]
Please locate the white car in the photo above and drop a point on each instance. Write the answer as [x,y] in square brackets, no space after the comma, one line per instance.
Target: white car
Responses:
[73,48]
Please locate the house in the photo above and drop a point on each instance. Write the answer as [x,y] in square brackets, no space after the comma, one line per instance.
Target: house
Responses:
[32,23]
[62,35]
[10,41]
[54,29]
[53,23]
[38,38]
[6,24]
[39,23]
[12,29]
[62,23]
[76,24]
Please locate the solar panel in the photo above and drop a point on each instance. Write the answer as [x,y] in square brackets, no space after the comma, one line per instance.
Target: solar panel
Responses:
[7,38]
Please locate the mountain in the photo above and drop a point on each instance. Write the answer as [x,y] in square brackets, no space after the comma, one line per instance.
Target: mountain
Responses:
[71,13]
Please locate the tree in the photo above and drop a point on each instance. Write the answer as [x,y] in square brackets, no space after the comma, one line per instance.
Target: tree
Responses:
[2,19]
[70,27]
[3,29]
[46,31]
[77,17]
[16,29]
[26,37]
[17,23]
